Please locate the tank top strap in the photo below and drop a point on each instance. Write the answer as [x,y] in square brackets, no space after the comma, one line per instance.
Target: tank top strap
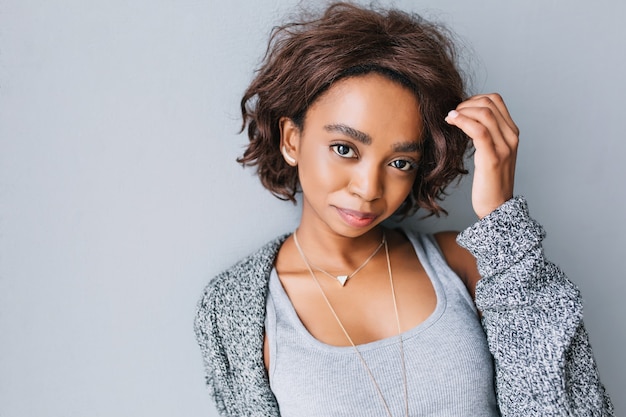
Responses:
[432,259]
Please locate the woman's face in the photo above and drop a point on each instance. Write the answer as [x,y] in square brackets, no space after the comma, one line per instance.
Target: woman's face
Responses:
[357,153]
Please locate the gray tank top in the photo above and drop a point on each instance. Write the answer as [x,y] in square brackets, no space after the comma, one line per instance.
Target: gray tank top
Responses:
[449,367]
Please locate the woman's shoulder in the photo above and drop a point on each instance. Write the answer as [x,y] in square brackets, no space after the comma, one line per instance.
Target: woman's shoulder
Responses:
[444,244]
[248,274]
[260,260]
[461,261]
[235,298]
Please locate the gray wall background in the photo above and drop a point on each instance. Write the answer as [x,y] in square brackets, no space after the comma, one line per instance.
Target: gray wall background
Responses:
[120,197]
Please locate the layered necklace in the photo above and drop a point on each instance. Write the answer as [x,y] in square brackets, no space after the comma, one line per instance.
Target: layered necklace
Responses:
[345,332]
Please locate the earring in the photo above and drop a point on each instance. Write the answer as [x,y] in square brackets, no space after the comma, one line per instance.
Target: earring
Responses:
[290,160]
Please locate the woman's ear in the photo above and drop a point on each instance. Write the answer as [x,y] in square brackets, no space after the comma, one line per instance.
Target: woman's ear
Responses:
[289,140]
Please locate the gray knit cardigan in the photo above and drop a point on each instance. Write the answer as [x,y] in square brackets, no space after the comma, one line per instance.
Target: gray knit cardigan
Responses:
[531,313]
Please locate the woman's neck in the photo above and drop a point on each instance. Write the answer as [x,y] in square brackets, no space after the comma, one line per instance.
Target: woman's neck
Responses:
[326,248]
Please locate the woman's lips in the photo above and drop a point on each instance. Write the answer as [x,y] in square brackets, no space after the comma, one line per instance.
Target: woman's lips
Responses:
[356,218]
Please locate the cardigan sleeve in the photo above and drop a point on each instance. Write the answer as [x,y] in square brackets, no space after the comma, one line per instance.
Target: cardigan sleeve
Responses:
[213,356]
[532,315]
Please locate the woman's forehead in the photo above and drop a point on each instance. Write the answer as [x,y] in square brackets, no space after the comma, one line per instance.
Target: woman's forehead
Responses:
[366,106]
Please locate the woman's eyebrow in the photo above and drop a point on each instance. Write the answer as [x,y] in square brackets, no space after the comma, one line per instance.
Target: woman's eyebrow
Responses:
[355,134]
[407,147]
[366,139]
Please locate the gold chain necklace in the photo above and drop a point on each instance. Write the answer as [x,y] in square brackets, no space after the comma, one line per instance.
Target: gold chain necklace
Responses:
[345,332]
[343,278]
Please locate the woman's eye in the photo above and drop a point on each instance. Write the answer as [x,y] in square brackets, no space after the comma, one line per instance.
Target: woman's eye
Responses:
[344,151]
[402,165]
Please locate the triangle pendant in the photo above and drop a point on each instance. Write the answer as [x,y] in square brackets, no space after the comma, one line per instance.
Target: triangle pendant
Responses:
[342,279]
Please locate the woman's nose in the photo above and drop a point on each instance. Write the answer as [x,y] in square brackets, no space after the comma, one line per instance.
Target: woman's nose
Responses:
[367,182]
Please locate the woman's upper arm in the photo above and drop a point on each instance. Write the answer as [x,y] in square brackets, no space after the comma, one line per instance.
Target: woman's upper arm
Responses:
[459,259]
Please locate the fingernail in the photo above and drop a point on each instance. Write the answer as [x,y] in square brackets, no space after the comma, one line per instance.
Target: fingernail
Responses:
[452,114]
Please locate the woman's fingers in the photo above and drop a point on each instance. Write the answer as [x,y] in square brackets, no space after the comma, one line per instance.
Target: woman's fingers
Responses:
[494,101]
[491,111]
[486,120]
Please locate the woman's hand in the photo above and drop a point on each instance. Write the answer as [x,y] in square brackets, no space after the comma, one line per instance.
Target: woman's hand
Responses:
[486,120]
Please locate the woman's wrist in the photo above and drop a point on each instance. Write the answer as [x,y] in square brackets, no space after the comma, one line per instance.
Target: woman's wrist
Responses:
[502,237]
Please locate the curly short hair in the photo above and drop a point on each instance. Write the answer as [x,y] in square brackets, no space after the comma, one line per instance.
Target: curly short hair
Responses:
[304,58]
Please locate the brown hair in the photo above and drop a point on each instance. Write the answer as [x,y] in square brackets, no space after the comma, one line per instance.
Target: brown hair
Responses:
[306,57]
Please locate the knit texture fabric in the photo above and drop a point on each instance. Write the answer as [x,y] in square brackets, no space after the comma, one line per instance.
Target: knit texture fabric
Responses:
[230,329]
[531,313]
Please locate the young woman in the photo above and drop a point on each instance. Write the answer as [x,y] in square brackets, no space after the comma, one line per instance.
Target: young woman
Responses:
[364,112]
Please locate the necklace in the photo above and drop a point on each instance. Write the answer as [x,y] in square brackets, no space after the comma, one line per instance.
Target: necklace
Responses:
[345,332]
[341,279]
